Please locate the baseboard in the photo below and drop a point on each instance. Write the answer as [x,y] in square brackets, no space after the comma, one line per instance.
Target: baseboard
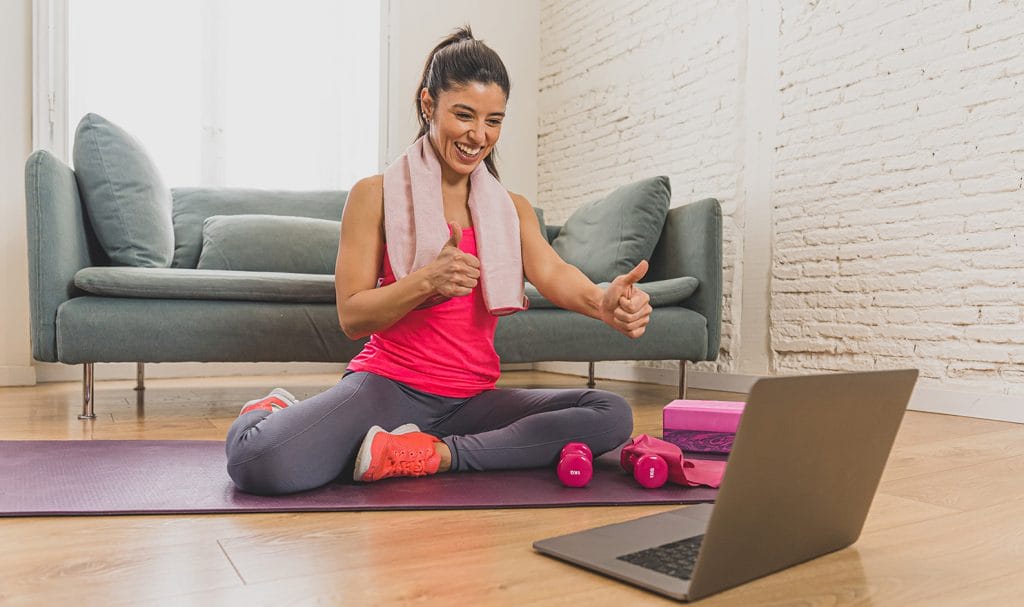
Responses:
[54,372]
[1000,407]
[930,399]
[17,376]
[722,382]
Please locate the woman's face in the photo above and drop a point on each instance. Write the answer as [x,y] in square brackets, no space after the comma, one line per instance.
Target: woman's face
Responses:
[465,123]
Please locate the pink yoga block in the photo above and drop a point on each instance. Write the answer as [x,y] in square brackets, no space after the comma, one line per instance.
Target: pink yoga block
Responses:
[703,415]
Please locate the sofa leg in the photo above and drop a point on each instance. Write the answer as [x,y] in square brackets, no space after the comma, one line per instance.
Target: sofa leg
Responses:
[87,393]
[140,376]
[590,375]
[682,379]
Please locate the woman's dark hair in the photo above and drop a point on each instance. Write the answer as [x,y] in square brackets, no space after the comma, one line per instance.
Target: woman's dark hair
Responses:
[457,61]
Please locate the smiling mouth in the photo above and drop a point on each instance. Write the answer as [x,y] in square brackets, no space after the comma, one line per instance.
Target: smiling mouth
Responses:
[467,151]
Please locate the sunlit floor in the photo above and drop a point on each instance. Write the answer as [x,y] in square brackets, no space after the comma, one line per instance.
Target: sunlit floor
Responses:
[947,526]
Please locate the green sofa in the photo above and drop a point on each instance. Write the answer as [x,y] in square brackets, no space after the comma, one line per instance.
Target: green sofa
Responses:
[86,309]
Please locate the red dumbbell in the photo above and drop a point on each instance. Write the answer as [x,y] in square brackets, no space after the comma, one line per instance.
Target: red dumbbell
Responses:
[650,470]
[575,466]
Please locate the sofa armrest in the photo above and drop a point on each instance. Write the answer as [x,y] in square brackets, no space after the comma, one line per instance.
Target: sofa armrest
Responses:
[691,245]
[59,245]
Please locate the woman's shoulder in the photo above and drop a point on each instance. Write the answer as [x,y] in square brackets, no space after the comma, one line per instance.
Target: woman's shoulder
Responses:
[519,200]
[368,192]
[369,185]
[366,199]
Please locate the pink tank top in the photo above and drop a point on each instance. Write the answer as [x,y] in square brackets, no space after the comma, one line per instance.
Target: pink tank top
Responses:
[447,349]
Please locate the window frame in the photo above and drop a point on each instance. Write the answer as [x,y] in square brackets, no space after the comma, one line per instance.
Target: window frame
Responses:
[50,77]
[50,86]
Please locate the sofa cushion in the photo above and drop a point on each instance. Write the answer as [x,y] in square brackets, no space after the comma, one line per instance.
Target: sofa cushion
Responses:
[269,243]
[125,198]
[121,329]
[675,333]
[609,236]
[670,292]
[193,205]
[175,283]
[539,212]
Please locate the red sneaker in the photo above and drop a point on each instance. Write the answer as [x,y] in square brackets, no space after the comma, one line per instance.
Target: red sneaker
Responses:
[405,451]
[278,399]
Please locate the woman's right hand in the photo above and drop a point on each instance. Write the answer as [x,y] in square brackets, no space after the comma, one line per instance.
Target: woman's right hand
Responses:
[454,273]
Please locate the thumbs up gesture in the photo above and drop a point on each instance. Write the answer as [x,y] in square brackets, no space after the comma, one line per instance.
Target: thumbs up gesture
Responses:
[456,235]
[454,272]
[625,307]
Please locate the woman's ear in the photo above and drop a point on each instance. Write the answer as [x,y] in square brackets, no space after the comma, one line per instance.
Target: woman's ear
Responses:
[426,103]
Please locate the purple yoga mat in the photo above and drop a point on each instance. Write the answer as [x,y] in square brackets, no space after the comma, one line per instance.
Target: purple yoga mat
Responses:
[91,477]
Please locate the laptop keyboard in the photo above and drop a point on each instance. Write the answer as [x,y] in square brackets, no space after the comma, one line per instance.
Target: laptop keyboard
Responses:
[675,558]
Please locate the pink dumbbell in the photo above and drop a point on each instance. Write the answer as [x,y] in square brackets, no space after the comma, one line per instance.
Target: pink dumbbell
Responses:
[575,466]
[651,471]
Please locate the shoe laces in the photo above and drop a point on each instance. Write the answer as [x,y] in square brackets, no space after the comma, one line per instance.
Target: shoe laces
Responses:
[410,461]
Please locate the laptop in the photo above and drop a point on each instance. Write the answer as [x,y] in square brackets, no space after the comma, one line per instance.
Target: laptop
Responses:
[806,461]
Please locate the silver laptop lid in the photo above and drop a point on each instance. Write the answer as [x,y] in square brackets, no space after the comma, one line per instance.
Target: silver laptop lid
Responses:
[808,456]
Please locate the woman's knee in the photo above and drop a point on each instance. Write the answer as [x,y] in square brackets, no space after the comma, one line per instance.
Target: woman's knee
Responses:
[246,481]
[249,476]
[255,468]
[262,476]
[616,415]
[623,414]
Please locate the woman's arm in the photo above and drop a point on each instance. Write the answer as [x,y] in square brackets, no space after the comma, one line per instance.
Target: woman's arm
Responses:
[621,306]
[561,283]
[362,307]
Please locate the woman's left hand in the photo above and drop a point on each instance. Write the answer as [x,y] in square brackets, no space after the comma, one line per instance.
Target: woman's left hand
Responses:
[625,307]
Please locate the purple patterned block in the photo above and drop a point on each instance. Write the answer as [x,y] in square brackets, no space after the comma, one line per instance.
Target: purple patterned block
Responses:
[700,441]
[702,426]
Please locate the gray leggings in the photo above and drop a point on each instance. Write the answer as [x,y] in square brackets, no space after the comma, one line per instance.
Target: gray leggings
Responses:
[316,441]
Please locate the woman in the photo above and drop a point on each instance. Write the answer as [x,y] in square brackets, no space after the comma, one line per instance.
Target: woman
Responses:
[430,310]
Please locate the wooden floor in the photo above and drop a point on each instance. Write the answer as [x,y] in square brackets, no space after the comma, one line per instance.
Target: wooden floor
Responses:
[947,527]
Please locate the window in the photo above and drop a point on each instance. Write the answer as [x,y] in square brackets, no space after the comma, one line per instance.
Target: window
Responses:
[240,93]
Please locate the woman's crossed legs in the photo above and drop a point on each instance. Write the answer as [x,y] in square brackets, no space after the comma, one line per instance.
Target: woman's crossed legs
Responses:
[315,442]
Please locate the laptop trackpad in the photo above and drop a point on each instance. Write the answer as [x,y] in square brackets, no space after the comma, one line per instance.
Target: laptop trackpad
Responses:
[617,539]
[599,548]
[658,529]
[649,530]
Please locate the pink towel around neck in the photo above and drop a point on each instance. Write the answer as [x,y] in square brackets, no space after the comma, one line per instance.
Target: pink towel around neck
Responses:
[416,230]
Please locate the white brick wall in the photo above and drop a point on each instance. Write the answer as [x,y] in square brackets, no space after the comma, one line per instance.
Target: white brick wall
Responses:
[898,201]
[630,90]
[897,197]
